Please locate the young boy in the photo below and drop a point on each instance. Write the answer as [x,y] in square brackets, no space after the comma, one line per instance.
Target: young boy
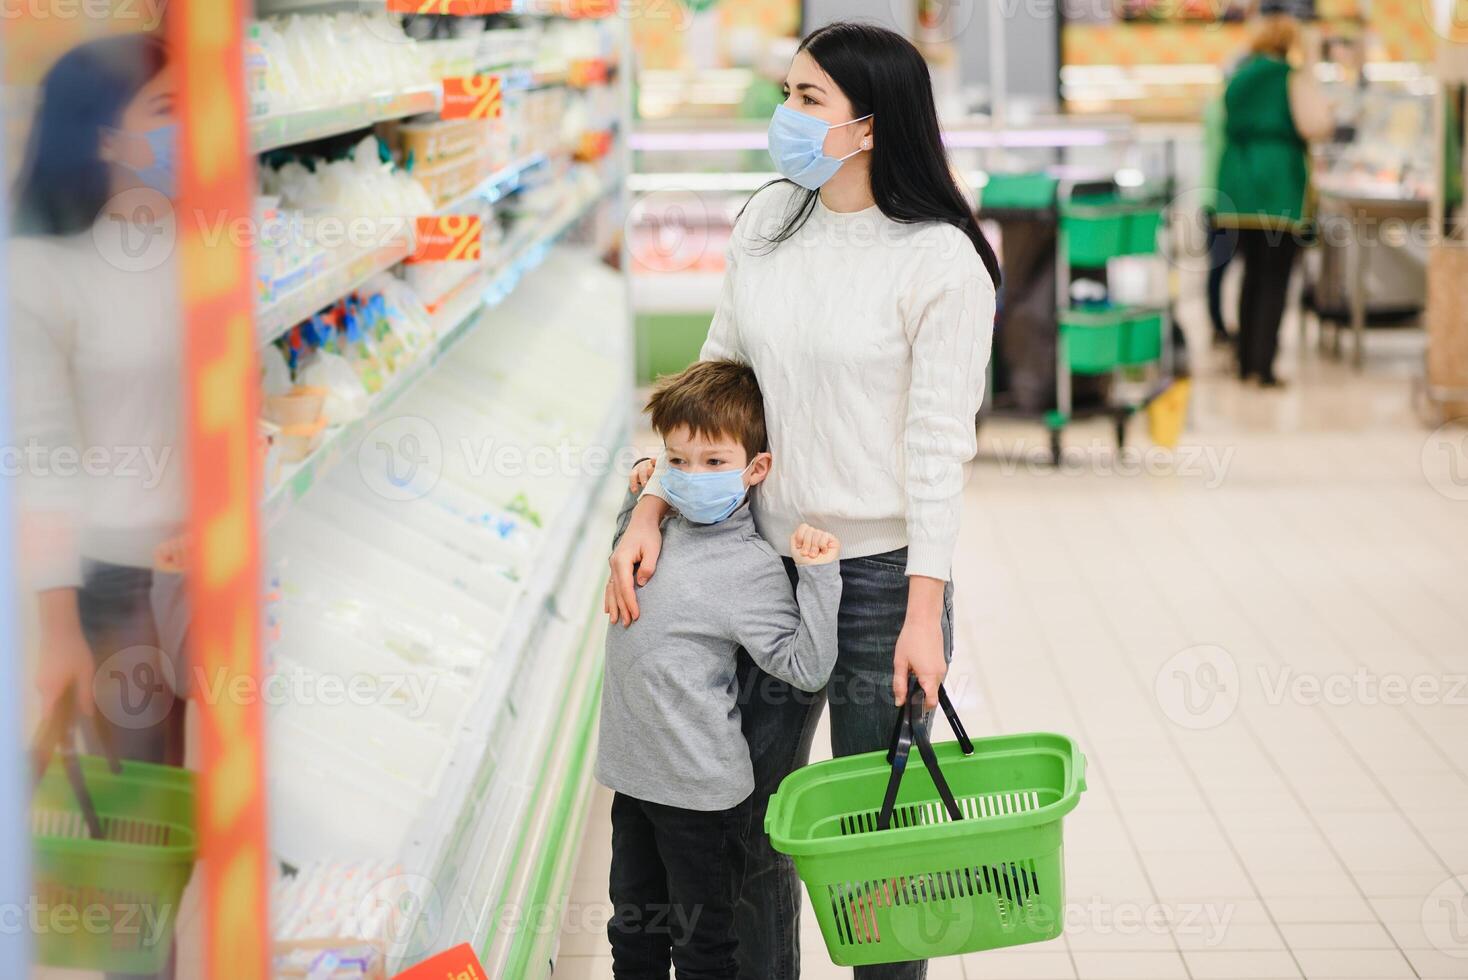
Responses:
[671,745]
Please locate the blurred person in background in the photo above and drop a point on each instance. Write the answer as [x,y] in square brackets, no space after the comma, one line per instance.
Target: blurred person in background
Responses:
[97,388]
[1270,110]
[1222,242]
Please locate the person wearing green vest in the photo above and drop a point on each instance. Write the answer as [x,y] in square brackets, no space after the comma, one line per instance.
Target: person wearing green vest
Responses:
[1270,110]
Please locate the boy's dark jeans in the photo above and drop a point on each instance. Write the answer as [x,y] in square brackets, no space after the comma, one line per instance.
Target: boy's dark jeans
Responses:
[676,876]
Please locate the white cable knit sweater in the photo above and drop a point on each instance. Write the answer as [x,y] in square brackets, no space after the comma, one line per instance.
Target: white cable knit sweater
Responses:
[870,339]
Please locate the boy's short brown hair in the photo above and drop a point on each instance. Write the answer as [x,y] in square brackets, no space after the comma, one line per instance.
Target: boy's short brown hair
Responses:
[712,398]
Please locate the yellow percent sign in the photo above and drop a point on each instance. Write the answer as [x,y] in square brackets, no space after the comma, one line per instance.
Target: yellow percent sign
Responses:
[472,97]
[463,232]
[449,238]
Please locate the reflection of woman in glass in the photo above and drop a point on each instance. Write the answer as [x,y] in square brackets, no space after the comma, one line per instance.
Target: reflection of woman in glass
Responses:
[97,385]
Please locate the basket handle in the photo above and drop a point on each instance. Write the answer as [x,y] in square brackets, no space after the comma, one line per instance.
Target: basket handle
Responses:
[912,729]
[57,734]
[915,690]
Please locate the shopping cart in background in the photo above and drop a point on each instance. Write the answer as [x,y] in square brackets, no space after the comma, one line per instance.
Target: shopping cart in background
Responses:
[1129,342]
[1071,343]
[113,845]
[962,854]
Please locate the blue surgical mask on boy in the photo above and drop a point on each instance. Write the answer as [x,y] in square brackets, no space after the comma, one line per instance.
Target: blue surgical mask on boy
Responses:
[705,498]
[798,147]
[162,173]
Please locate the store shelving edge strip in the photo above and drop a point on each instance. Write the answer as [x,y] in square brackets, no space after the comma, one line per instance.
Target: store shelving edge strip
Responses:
[552,863]
[279,317]
[297,126]
[497,185]
[521,866]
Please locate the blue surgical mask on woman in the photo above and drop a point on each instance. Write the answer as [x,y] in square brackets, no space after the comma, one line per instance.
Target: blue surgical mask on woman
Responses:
[798,147]
[162,173]
[705,498]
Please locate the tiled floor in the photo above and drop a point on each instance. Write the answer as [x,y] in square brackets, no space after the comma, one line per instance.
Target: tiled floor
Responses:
[1261,643]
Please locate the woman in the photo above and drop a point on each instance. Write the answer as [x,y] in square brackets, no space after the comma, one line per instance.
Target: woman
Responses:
[1271,110]
[862,292]
[97,386]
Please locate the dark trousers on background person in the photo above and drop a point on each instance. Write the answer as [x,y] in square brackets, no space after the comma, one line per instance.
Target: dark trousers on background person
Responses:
[779,723]
[1222,242]
[675,879]
[1269,259]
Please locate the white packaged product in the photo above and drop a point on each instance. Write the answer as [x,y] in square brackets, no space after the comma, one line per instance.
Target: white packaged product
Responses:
[275,373]
[346,398]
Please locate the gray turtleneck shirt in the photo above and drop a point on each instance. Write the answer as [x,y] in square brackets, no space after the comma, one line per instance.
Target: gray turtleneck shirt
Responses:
[669,713]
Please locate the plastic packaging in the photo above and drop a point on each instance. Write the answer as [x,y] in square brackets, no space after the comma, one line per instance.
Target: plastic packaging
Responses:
[275,374]
[346,398]
[359,186]
[300,406]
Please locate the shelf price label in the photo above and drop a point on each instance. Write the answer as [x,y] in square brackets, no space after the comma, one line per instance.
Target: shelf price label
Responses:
[473,97]
[594,145]
[586,72]
[459,963]
[449,238]
[590,8]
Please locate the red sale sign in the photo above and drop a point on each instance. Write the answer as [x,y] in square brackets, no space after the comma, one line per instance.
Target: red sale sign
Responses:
[449,238]
[458,963]
[473,97]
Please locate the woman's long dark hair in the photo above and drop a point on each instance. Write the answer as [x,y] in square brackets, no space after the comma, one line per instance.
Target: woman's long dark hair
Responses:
[884,75]
[64,182]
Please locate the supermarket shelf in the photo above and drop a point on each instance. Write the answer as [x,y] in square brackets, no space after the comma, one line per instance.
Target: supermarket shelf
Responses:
[456,320]
[322,290]
[336,282]
[449,836]
[302,126]
[497,185]
[562,778]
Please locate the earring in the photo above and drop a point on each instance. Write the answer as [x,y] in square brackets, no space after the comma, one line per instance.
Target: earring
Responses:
[866,142]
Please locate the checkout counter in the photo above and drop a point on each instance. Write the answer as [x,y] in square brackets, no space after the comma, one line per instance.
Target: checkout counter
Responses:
[1373,198]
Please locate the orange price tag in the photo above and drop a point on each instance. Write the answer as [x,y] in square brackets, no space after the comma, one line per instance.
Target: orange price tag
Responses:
[586,72]
[591,8]
[458,963]
[449,238]
[461,8]
[473,97]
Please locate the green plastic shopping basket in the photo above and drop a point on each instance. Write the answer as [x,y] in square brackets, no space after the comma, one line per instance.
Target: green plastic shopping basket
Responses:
[113,845]
[962,855]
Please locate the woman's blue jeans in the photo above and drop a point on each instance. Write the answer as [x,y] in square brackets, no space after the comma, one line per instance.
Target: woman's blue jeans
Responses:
[779,723]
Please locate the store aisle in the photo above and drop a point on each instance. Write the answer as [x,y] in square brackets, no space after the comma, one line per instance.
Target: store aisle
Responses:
[1260,650]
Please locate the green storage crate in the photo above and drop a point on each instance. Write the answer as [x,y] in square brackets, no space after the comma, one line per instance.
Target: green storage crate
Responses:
[1141,338]
[121,893]
[1020,192]
[929,885]
[1093,339]
[1101,228]
[1141,231]
[1094,229]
